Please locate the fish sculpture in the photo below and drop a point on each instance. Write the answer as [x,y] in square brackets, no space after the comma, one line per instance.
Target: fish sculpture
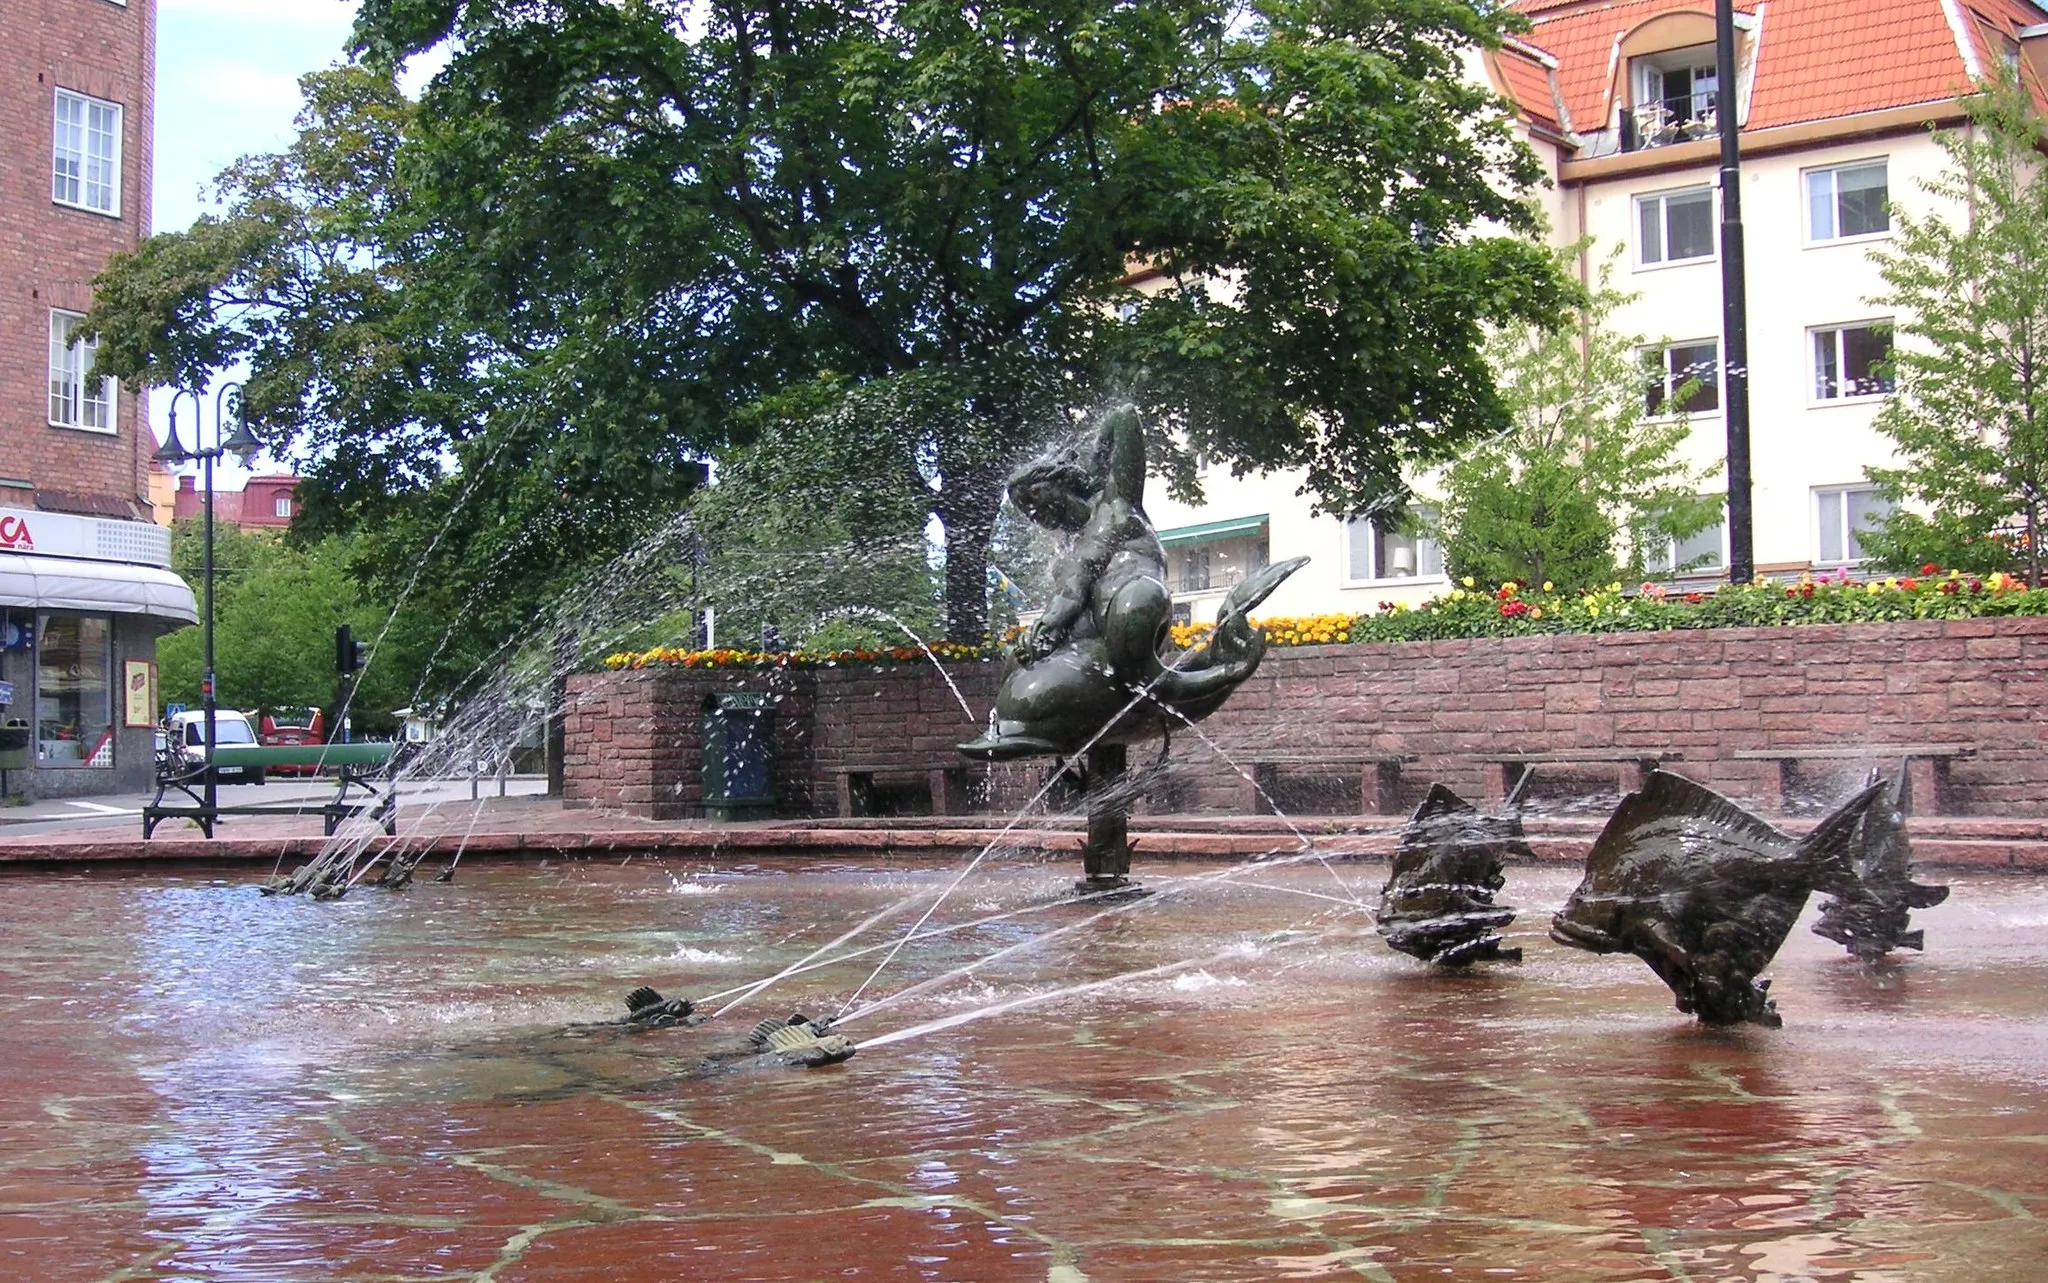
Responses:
[1438,902]
[1874,923]
[647,1009]
[1705,892]
[797,1041]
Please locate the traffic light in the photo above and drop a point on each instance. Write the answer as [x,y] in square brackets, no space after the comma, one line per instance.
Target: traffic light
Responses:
[350,655]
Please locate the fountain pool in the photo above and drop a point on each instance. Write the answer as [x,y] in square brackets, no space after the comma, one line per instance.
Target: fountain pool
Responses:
[385,1088]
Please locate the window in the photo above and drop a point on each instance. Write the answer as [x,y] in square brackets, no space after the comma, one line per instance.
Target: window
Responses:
[1852,361]
[1194,569]
[1844,514]
[74,691]
[1683,378]
[284,505]
[1848,200]
[85,164]
[77,400]
[1676,226]
[1694,554]
[1676,99]
[1376,548]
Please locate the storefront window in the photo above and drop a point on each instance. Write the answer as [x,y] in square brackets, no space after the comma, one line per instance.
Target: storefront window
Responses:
[74,691]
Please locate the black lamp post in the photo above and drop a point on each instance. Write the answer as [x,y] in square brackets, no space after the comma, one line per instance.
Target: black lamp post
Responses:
[241,443]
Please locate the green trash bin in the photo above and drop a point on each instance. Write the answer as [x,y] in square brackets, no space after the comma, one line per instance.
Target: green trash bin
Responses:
[16,752]
[739,756]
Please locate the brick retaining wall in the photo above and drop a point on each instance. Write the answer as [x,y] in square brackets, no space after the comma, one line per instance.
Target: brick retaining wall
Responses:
[633,741]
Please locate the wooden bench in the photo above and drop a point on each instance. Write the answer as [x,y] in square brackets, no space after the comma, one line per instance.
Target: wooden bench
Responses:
[359,765]
[1379,787]
[1513,771]
[946,780]
[1926,768]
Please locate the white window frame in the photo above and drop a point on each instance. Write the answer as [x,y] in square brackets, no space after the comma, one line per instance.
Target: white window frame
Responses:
[110,392]
[1847,531]
[85,157]
[1813,397]
[1636,204]
[1353,578]
[1806,177]
[282,506]
[1662,352]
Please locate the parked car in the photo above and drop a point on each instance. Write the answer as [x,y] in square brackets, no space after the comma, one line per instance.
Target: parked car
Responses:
[187,734]
[293,727]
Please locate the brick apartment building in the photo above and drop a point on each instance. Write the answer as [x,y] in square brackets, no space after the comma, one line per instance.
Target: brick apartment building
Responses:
[85,588]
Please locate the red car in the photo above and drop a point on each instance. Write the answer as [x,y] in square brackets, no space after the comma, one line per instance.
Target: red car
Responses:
[289,727]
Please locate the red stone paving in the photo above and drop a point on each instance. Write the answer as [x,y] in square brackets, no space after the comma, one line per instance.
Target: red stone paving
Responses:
[538,828]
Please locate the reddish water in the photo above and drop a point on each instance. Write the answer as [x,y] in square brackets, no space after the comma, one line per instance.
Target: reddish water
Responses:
[203,1084]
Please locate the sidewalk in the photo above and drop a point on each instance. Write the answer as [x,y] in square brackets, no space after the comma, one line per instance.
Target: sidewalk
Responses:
[536,827]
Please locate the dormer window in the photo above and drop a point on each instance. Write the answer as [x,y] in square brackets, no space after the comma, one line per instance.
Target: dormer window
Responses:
[1676,98]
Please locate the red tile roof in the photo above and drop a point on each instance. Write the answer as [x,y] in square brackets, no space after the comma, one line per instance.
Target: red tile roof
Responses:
[1816,59]
[1529,84]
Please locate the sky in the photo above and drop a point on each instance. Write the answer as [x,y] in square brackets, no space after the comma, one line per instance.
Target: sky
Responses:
[227,75]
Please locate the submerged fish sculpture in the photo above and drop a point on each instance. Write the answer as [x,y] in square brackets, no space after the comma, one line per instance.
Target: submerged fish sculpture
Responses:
[797,1041]
[647,1009]
[1090,669]
[1705,892]
[1438,902]
[1874,923]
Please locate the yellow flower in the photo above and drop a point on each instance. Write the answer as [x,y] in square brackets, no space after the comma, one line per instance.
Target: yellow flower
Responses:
[1873,587]
[1467,581]
[1592,608]
[1548,586]
[1535,612]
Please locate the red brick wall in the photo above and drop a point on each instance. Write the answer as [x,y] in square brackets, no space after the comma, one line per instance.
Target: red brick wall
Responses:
[633,742]
[49,253]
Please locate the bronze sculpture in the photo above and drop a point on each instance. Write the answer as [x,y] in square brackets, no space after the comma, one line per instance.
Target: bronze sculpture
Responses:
[1705,892]
[1438,902]
[1874,923]
[1089,677]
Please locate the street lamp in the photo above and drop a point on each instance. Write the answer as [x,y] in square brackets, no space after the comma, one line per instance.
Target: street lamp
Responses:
[243,444]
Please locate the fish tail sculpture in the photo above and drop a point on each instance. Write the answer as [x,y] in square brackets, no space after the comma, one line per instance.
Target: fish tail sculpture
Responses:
[1705,892]
[1872,920]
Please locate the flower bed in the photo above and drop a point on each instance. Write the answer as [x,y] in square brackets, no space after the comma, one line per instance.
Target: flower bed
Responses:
[1516,609]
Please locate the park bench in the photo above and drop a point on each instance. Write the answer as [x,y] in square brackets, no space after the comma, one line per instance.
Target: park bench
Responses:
[359,766]
[1926,767]
[1379,788]
[1513,772]
[947,782]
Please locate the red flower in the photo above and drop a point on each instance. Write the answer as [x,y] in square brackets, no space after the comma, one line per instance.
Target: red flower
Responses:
[1806,590]
[1909,584]
[1976,585]
[1693,599]
[1948,587]
[1930,569]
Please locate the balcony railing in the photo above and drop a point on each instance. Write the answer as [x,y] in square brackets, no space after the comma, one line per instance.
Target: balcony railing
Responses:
[1663,122]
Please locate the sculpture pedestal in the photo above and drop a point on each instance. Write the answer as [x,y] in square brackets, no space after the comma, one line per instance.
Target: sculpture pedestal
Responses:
[1106,857]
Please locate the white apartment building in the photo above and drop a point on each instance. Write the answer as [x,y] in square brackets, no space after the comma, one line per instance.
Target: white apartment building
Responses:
[1836,100]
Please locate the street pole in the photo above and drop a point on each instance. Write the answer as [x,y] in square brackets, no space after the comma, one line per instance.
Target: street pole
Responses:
[206,663]
[1734,303]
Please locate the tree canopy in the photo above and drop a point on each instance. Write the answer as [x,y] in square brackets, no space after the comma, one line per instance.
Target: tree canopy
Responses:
[1587,486]
[614,234]
[1970,414]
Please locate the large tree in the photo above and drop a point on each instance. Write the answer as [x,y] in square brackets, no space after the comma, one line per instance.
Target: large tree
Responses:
[1970,415]
[1588,484]
[735,196]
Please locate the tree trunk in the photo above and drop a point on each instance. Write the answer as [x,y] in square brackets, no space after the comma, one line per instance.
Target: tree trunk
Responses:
[968,511]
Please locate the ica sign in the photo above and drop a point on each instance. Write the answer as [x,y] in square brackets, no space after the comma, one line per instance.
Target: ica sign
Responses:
[14,535]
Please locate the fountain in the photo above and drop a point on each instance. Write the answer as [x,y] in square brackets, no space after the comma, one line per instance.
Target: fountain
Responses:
[1873,923]
[1087,679]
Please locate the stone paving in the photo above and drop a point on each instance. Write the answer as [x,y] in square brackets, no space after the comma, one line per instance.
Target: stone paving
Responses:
[205,1084]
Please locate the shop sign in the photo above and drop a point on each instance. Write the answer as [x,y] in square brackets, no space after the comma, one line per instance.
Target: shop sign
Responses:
[138,693]
[15,534]
[60,534]
[6,692]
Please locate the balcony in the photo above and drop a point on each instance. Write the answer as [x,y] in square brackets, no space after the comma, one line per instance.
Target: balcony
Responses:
[1663,122]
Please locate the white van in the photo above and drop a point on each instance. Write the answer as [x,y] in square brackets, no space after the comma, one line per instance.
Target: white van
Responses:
[186,732]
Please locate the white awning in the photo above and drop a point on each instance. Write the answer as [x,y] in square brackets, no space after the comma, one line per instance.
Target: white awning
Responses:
[94,587]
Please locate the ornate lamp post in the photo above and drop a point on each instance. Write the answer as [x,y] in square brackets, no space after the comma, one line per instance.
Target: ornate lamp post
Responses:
[241,443]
